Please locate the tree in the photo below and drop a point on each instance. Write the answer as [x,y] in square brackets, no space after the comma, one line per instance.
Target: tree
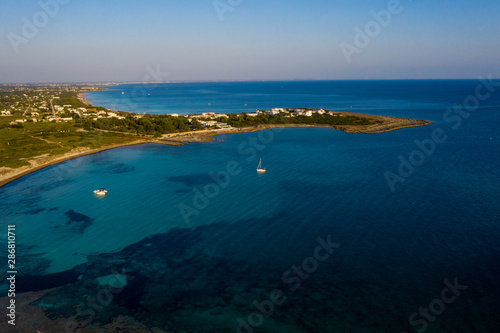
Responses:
[196,124]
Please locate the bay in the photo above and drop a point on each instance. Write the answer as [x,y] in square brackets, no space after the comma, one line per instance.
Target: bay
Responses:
[203,238]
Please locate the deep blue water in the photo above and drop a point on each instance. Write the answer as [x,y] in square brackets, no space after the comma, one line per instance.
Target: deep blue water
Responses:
[400,97]
[202,272]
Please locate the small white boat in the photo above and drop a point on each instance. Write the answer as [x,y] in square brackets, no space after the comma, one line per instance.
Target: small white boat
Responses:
[259,167]
[100,192]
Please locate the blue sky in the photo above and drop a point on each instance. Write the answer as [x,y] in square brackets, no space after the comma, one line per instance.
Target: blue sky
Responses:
[116,40]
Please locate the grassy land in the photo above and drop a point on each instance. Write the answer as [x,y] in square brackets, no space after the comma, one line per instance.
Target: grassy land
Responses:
[35,139]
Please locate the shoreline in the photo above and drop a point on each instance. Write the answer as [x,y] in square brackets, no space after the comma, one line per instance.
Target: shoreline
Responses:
[179,139]
[14,174]
[81,97]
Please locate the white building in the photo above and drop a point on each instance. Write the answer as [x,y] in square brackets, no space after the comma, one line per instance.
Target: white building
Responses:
[208,123]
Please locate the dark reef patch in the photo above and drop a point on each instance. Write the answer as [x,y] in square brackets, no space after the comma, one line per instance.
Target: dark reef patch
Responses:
[115,168]
[28,282]
[81,221]
[131,295]
[169,275]
[34,211]
[100,159]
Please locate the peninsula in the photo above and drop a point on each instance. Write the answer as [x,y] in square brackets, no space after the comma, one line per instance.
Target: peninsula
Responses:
[41,125]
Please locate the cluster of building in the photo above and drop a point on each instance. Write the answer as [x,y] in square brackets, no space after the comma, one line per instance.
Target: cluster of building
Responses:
[293,112]
[211,119]
[63,114]
[44,105]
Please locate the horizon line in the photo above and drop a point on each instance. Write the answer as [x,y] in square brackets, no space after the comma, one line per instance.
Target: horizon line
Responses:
[228,81]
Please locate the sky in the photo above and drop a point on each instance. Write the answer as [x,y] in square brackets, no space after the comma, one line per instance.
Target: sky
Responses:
[121,40]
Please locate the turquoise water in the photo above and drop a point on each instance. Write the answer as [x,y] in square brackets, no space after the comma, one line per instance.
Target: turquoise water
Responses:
[239,239]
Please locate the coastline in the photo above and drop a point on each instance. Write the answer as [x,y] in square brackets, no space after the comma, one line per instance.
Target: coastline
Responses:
[8,175]
[83,99]
[383,124]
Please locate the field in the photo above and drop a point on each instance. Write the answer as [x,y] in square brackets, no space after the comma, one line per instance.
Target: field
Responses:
[18,143]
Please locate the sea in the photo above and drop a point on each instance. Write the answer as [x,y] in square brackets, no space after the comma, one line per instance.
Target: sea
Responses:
[390,232]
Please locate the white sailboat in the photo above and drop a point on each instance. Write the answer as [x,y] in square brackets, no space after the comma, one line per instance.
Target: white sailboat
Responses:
[259,167]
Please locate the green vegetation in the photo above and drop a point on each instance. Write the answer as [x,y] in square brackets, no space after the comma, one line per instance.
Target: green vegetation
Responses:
[244,120]
[147,125]
[36,139]
[165,124]
[69,98]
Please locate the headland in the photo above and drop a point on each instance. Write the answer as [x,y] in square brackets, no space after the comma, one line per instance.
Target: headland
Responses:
[45,125]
